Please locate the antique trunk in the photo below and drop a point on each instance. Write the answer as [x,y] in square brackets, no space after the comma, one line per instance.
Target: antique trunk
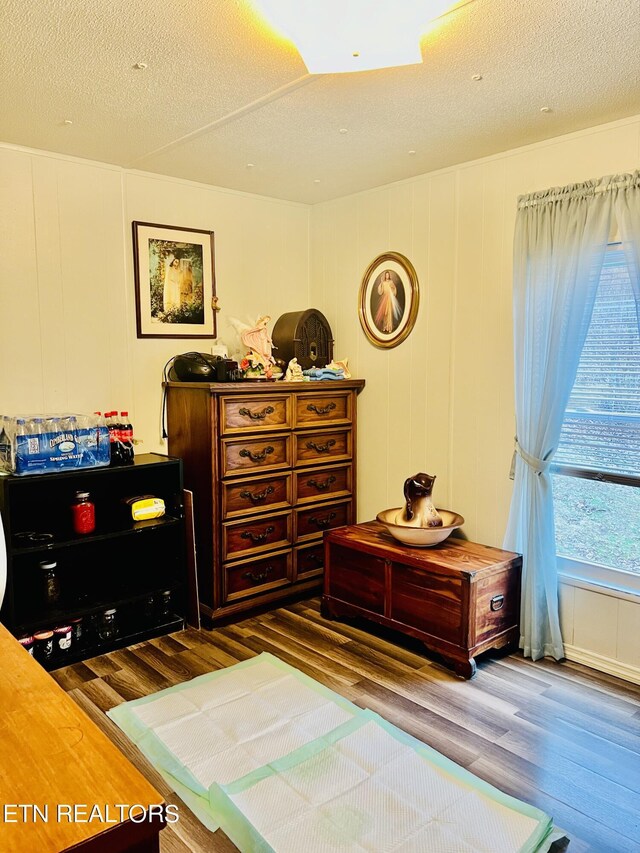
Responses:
[459,598]
[305,335]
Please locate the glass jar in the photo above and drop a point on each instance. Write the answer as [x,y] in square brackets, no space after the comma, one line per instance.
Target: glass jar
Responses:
[76,630]
[27,643]
[149,610]
[164,604]
[83,514]
[43,645]
[62,639]
[50,583]
[108,628]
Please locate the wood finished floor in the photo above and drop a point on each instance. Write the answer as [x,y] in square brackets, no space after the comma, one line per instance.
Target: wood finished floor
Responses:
[559,736]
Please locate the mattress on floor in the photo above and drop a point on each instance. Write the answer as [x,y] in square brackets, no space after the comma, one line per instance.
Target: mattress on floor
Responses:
[283,764]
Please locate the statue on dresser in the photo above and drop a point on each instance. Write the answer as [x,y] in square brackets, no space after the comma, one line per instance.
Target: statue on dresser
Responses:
[294,371]
[419,510]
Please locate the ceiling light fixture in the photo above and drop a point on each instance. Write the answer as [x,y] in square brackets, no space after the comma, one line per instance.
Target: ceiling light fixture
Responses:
[333,36]
[140,66]
[476,77]
[545,109]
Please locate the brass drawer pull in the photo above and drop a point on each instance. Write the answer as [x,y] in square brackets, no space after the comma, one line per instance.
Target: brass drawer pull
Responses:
[497,602]
[256,497]
[257,537]
[314,558]
[321,487]
[322,523]
[256,457]
[256,416]
[321,410]
[321,448]
[258,577]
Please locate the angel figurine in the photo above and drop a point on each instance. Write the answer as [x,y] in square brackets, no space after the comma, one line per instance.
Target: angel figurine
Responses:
[258,362]
[258,341]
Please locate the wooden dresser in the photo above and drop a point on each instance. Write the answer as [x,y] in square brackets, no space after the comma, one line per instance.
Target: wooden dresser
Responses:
[272,465]
[459,598]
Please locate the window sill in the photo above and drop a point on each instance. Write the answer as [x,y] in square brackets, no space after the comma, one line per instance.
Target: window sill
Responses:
[606,581]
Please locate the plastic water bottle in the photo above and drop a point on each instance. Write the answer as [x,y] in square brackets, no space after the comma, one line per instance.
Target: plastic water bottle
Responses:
[35,429]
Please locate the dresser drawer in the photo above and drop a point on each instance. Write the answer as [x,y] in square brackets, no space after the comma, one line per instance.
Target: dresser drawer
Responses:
[240,497]
[311,522]
[255,414]
[241,538]
[321,484]
[314,409]
[308,561]
[321,446]
[242,455]
[257,576]
[427,601]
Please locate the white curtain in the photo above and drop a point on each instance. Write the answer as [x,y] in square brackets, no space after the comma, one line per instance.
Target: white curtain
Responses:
[627,210]
[560,240]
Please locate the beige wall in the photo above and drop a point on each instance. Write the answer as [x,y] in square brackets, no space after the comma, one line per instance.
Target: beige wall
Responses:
[442,401]
[67,309]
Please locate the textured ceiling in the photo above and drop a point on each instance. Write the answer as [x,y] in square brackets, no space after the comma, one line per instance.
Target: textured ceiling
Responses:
[220,92]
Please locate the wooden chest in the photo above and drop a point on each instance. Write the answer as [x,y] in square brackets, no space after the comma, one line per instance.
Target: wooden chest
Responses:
[459,598]
[271,466]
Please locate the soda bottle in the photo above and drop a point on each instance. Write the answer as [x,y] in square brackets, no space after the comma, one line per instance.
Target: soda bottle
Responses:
[126,437]
[113,437]
[5,445]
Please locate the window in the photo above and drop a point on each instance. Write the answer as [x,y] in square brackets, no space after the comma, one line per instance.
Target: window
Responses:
[596,471]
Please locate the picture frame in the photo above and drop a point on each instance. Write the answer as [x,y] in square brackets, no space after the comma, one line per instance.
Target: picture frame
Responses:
[174,274]
[389,300]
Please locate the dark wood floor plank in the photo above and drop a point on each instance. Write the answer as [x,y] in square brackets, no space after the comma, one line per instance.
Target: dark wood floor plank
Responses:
[102,665]
[169,645]
[558,736]
[69,677]
[282,643]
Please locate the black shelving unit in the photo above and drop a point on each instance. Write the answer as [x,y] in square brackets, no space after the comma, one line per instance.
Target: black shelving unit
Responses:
[123,564]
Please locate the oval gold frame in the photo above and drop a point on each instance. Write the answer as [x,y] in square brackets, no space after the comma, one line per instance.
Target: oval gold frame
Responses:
[372,333]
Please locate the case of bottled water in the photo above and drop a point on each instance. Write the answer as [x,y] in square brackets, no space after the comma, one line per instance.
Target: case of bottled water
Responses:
[37,444]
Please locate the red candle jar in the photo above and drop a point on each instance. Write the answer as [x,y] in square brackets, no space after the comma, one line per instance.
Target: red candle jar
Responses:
[83,513]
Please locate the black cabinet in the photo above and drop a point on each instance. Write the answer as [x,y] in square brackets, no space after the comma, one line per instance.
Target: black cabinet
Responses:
[138,568]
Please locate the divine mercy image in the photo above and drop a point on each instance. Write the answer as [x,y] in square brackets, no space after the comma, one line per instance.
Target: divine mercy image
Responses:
[176,282]
[387,301]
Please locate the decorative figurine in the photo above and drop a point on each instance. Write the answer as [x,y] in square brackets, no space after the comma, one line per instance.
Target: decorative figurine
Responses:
[419,510]
[258,341]
[294,372]
[258,363]
[341,365]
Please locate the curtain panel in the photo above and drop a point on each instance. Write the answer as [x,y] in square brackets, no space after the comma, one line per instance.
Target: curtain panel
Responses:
[561,237]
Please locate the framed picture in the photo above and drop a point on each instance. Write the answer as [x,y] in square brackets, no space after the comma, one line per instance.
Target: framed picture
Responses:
[175,281]
[389,298]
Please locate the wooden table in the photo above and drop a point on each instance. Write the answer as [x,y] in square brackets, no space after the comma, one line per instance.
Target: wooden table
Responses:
[54,757]
[459,598]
